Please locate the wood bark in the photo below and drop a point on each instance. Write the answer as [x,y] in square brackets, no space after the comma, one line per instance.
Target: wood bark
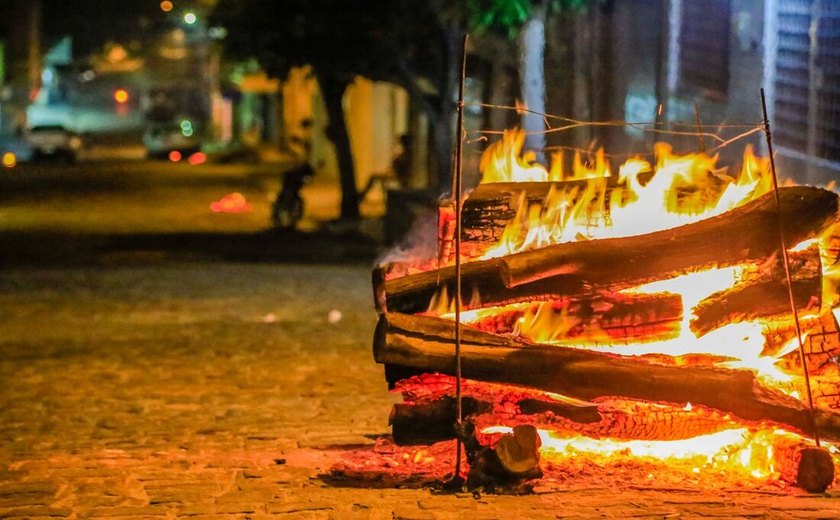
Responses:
[427,344]
[764,296]
[599,318]
[433,420]
[508,464]
[807,466]
[490,208]
[745,234]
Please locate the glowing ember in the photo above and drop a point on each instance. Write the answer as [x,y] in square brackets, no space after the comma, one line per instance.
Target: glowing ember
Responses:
[737,449]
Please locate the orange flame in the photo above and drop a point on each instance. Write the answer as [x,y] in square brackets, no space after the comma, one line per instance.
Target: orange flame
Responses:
[737,449]
[676,190]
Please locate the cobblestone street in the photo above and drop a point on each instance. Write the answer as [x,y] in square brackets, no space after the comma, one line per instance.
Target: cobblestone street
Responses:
[207,391]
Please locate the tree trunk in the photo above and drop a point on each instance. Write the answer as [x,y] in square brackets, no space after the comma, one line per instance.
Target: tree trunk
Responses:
[605,69]
[333,92]
[531,56]
[443,122]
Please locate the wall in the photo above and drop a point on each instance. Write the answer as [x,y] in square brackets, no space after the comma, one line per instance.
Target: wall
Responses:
[645,57]
[377,113]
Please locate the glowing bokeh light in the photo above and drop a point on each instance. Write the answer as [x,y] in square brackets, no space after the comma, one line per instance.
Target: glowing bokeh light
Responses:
[9,160]
[197,158]
[174,156]
[190,18]
[166,6]
[121,96]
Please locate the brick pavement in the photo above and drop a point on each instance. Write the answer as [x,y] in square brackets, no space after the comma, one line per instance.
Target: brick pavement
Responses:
[222,391]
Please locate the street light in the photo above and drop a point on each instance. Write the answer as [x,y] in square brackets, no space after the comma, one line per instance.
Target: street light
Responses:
[190,18]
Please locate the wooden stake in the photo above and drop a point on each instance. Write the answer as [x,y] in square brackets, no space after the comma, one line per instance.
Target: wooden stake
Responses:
[787,270]
[458,179]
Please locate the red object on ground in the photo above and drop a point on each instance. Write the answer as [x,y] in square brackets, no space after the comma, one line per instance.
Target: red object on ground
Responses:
[231,203]
[197,158]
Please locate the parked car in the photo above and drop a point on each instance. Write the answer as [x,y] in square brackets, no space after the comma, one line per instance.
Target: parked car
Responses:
[160,139]
[52,141]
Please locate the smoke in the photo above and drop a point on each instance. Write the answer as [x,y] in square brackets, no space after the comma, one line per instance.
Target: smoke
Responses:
[420,243]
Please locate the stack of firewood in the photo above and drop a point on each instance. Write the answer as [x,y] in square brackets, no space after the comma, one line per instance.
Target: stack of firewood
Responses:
[583,282]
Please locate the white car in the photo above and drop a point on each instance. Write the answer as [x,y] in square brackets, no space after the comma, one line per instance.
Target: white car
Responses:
[52,141]
[161,139]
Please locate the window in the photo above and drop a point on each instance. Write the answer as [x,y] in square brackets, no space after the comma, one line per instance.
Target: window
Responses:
[807,77]
[702,47]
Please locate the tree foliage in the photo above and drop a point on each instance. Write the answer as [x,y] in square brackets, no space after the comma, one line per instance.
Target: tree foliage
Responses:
[410,43]
[507,17]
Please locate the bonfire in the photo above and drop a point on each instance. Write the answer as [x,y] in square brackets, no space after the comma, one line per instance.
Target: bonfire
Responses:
[638,317]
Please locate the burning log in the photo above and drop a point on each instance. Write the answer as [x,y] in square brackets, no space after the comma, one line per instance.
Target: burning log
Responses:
[491,206]
[427,344]
[598,318]
[748,233]
[432,419]
[513,459]
[807,466]
[822,346]
[765,296]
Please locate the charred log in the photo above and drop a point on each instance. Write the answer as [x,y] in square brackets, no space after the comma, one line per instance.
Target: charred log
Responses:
[492,206]
[809,467]
[428,344]
[748,233]
[508,464]
[432,420]
[599,318]
[766,296]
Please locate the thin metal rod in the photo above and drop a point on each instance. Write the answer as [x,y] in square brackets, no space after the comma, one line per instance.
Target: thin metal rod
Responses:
[458,180]
[781,222]
[699,127]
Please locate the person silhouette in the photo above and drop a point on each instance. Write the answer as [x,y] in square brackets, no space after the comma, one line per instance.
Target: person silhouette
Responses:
[398,174]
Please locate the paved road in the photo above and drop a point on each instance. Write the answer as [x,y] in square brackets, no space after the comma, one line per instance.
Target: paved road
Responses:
[146,383]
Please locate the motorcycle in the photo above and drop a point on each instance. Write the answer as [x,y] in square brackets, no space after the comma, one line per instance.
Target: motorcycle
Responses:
[287,208]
